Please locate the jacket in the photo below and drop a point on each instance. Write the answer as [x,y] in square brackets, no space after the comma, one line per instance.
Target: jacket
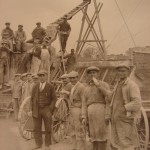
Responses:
[132,98]
[35,98]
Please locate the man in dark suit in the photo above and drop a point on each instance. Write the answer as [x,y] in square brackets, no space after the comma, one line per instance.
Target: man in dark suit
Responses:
[43,101]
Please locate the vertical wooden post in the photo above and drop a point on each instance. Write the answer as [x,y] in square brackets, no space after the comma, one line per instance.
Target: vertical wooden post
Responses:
[100,28]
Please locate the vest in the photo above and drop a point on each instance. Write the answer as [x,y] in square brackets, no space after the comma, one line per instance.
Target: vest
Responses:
[43,98]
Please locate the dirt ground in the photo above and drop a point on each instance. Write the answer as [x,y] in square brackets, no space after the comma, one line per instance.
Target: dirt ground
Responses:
[10,138]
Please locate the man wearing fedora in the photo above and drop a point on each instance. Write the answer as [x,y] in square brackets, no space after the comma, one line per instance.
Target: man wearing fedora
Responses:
[76,98]
[20,37]
[43,101]
[125,104]
[94,109]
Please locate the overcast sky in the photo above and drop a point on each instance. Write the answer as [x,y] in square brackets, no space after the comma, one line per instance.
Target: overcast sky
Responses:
[136,13]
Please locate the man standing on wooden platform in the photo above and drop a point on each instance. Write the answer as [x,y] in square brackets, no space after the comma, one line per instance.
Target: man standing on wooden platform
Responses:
[64,29]
[43,101]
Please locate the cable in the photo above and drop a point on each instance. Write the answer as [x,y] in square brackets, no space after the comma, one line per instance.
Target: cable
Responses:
[125,23]
[120,29]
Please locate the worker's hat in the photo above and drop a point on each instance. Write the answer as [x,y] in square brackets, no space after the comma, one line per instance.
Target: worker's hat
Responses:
[23,75]
[42,72]
[28,73]
[64,76]
[92,68]
[123,66]
[17,75]
[7,23]
[35,76]
[20,25]
[73,74]
[38,23]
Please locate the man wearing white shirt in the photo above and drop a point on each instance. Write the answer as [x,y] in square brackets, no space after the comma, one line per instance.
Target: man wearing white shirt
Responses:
[43,101]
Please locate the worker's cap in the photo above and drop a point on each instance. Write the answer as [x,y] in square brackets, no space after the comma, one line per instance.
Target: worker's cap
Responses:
[4,42]
[35,76]
[7,23]
[29,73]
[23,75]
[38,23]
[6,33]
[17,75]
[64,76]
[42,73]
[92,68]
[123,66]
[20,25]
[73,74]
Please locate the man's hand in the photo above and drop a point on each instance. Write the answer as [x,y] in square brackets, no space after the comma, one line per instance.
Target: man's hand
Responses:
[95,81]
[30,113]
[84,121]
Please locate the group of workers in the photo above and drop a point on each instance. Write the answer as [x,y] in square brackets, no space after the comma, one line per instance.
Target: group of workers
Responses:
[39,33]
[91,105]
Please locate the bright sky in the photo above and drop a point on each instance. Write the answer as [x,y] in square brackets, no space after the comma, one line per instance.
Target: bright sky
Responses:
[136,13]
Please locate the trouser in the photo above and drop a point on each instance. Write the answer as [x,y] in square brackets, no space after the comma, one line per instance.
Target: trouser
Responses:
[97,145]
[44,114]
[16,107]
[78,134]
[63,40]
[20,46]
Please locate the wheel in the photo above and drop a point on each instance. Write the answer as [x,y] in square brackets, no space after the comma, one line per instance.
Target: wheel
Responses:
[25,121]
[60,124]
[143,130]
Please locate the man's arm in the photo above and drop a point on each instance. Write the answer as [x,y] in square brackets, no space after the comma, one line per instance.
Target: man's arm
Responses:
[135,98]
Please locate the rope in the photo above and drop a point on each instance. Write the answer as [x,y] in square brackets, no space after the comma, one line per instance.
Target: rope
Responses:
[125,23]
[116,35]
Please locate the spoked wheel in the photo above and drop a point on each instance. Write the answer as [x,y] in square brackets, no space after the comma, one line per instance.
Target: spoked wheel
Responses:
[60,124]
[143,130]
[25,121]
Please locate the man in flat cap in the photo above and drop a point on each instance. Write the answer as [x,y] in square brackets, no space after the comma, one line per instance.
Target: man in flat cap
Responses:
[76,98]
[27,88]
[20,37]
[64,29]
[35,79]
[71,61]
[39,32]
[16,94]
[66,88]
[8,34]
[125,103]
[4,63]
[43,101]
[94,110]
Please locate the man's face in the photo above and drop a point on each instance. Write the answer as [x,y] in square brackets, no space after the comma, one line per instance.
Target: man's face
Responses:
[73,80]
[92,73]
[123,73]
[29,77]
[17,78]
[65,80]
[20,28]
[38,25]
[42,78]
[7,26]
[24,78]
[35,80]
